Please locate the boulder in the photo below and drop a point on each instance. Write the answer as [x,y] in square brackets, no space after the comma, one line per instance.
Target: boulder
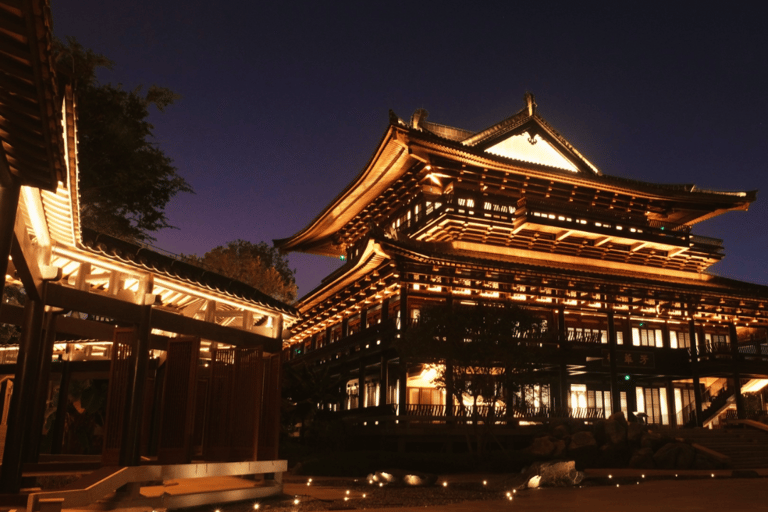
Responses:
[642,459]
[616,429]
[598,430]
[560,431]
[543,446]
[387,477]
[581,440]
[419,479]
[653,440]
[675,455]
[559,450]
[635,432]
[554,474]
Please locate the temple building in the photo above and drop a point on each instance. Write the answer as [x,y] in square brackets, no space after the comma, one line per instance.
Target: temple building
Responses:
[515,214]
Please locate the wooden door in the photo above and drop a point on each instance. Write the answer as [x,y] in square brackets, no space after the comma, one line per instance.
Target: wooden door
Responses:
[178,403]
[119,380]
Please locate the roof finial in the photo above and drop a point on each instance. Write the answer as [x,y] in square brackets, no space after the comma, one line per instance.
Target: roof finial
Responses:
[419,117]
[530,102]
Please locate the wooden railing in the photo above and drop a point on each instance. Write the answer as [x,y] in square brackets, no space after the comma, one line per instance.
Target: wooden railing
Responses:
[757,351]
[500,412]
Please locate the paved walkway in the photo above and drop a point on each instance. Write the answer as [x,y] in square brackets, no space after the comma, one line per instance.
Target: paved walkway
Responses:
[692,491]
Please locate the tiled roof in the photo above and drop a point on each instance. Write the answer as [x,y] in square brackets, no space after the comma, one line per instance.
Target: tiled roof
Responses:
[173,267]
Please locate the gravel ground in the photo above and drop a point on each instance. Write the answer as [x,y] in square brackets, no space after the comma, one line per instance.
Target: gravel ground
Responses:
[375,497]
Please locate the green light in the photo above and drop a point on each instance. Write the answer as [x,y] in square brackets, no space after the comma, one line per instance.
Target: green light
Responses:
[343,258]
[662,228]
[626,377]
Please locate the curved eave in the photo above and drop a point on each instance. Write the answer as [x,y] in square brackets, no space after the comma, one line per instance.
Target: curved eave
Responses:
[143,259]
[704,282]
[689,193]
[383,168]
[373,256]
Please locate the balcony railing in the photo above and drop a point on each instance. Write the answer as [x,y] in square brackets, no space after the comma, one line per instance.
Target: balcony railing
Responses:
[711,351]
[499,414]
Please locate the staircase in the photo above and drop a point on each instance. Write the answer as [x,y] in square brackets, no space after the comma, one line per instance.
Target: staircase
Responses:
[746,447]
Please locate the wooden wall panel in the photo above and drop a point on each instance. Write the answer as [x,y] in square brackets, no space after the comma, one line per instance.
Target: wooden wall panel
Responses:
[269,425]
[216,440]
[178,405]
[119,376]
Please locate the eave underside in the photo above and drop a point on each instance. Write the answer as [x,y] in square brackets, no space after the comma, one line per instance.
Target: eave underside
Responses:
[436,164]
[437,272]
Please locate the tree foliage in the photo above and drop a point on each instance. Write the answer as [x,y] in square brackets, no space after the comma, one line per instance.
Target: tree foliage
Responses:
[126,181]
[258,265]
[309,392]
[482,352]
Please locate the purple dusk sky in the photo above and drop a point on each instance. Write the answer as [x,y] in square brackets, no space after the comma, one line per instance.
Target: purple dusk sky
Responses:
[283,103]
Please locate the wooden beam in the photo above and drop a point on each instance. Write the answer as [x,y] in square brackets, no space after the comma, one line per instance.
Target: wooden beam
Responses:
[601,241]
[92,303]
[171,322]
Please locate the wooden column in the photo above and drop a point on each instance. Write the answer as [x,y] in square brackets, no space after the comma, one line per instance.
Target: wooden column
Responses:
[402,369]
[383,381]
[403,308]
[344,327]
[344,380]
[361,383]
[665,335]
[614,377]
[22,401]
[131,443]
[384,311]
[402,391]
[695,370]
[563,369]
[449,398]
[671,403]
[32,446]
[736,361]
[61,406]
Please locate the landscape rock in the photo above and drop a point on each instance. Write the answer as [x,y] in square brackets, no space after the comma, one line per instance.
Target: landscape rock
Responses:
[543,446]
[642,459]
[616,428]
[554,474]
[419,479]
[675,455]
[653,440]
[635,432]
[559,450]
[581,440]
[560,431]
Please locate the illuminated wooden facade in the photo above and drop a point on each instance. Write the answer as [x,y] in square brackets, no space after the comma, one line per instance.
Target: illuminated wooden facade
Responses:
[515,214]
[193,358]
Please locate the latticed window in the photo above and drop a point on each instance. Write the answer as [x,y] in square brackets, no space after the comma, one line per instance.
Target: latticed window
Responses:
[679,339]
[647,337]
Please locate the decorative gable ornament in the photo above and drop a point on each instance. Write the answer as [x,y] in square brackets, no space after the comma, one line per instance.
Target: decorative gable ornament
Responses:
[531,148]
